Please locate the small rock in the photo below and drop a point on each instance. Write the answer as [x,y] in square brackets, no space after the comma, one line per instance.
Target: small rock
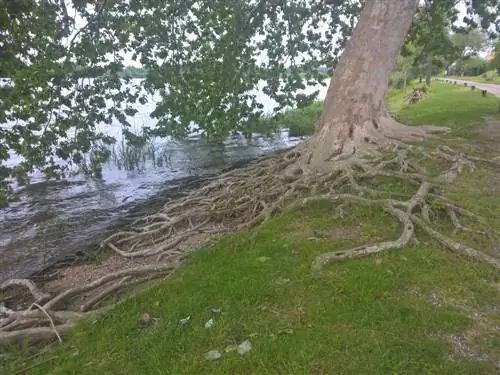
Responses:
[244,347]
[230,348]
[209,324]
[213,355]
[185,320]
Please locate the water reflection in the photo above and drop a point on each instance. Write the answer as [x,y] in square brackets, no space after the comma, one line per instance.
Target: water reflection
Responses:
[50,221]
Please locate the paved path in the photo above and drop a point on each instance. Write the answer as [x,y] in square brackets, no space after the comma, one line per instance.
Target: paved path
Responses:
[490,87]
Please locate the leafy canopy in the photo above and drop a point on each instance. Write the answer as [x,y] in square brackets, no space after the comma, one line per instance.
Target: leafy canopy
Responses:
[63,61]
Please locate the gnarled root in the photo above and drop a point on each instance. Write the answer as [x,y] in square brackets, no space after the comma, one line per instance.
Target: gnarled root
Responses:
[365,250]
[48,323]
[404,211]
[243,198]
[39,296]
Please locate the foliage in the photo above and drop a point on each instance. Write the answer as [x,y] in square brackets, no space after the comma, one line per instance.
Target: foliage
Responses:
[404,64]
[299,121]
[134,72]
[495,63]
[406,59]
[204,58]
[469,43]
[429,37]
[51,108]
[473,66]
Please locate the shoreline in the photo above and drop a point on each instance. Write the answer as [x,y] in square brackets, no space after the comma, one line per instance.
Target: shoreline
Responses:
[98,260]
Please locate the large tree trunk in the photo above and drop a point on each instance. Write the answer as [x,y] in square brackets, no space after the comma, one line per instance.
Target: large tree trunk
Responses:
[354,114]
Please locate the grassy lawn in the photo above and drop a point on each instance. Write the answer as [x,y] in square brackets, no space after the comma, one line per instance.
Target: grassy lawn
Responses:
[419,310]
[449,105]
[399,312]
[444,104]
[494,78]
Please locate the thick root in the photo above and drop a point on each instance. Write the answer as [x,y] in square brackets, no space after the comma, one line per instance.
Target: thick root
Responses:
[366,250]
[243,198]
[39,296]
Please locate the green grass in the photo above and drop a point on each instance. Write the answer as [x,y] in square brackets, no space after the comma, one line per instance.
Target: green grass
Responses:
[299,121]
[444,104]
[371,316]
[447,105]
[489,77]
[390,314]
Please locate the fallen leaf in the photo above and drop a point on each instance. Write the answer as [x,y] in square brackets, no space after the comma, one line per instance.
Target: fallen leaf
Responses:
[157,303]
[209,324]
[263,259]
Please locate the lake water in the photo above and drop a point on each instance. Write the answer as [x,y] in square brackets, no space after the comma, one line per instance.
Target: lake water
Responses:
[54,221]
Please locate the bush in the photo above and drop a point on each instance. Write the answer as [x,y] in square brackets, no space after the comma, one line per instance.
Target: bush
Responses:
[472,67]
[423,89]
[397,80]
[302,121]
[299,121]
[490,75]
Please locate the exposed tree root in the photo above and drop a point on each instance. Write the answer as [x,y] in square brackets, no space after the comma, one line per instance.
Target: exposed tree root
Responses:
[245,197]
[35,292]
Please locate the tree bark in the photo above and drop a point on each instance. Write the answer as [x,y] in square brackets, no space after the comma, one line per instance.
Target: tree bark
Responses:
[354,113]
[428,71]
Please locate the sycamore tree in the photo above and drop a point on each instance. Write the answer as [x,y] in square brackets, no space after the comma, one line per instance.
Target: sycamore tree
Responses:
[203,57]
